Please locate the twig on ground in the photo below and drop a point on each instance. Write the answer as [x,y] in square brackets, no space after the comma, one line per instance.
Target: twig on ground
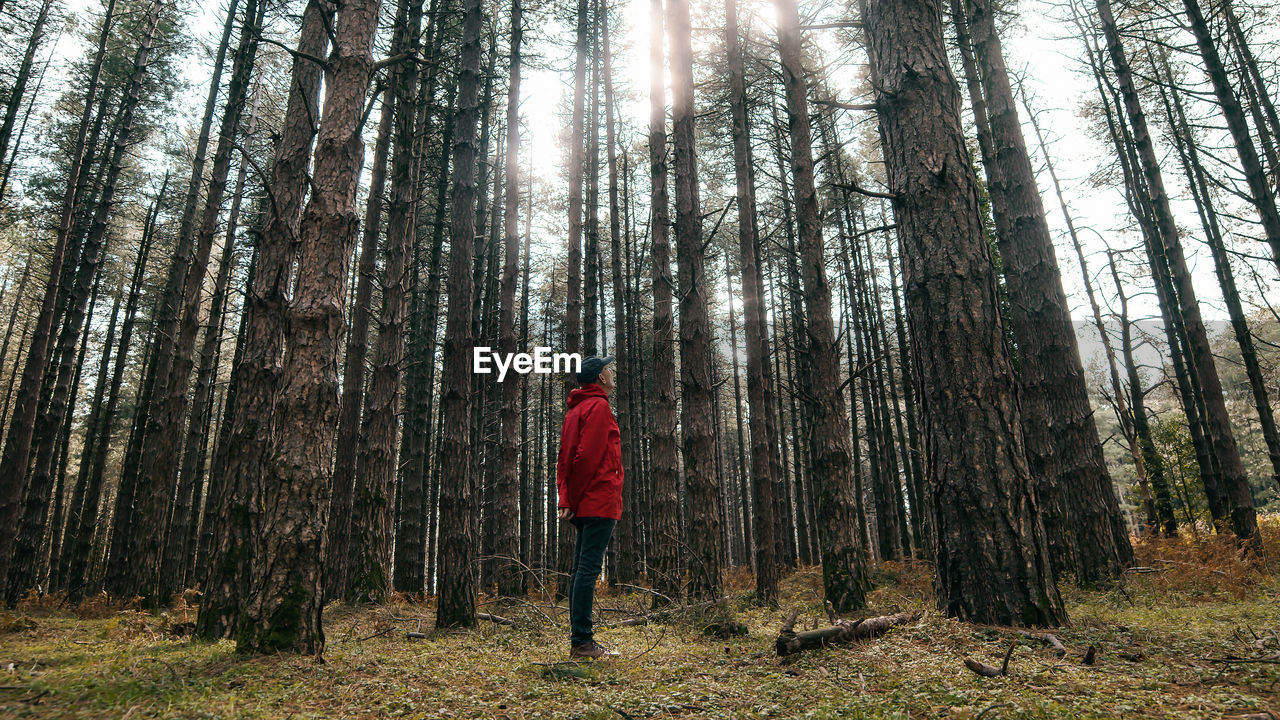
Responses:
[985,670]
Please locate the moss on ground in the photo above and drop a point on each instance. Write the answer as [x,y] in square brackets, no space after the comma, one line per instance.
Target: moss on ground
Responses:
[1160,641]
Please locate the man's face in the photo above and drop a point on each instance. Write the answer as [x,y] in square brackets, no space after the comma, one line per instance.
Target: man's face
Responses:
[606,378]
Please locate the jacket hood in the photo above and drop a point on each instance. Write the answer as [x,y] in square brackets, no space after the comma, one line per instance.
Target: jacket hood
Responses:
[590,390]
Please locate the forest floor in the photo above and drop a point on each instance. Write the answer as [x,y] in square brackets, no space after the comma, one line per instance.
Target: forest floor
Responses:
[1192,634]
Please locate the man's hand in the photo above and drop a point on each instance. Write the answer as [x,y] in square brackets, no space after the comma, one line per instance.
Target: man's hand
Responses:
[564,513]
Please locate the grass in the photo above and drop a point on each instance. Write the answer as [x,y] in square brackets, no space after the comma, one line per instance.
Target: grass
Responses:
[1161,639]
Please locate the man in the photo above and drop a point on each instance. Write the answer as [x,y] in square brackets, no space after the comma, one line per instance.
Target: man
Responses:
[589,485]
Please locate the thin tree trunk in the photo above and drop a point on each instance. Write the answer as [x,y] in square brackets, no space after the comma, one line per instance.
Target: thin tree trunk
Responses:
[338,546]
[843,557]
[17,446]
[179,553]
[456,605]
[16,93]
[1235,483]
[696,411]
[765,465]
[508,541]
[1260,191]
[664,565]
[1151,457]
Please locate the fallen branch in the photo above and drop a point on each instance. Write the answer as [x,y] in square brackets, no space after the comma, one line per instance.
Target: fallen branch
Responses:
[844,631]
[495,619]
[660,615]
[986,670]
[1049,639]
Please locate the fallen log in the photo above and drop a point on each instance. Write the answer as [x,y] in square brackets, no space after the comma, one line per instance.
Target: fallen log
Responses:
[496,619]
[844,631]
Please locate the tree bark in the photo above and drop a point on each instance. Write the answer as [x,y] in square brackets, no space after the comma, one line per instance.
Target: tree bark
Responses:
[665,538]
[1082,518]
[991,558]
[259,372]
[17,446]
[1236,484]
[843,557]
[456,605]
[696,412]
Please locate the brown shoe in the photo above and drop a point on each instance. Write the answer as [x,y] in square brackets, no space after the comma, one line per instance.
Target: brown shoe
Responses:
[591,650]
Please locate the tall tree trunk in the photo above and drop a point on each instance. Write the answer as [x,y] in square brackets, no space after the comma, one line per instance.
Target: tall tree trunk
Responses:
[843,557]
[1125,414]
[285,594]
[696,413]
[338,548]
[663,568]
[988,570]
[508,542]
[179,552]
[1081,514]
[625,534]
[17,446]
[456,605]
[1244,520]
[258,375]
[764,452]
[1140,206]
[1151,457]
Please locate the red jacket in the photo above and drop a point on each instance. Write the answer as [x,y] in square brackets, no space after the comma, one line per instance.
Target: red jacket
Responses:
[589,473]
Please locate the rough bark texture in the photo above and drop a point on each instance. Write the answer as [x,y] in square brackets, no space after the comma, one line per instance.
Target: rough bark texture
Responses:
[1081,514]
[253,422]
[696,413]
[991,559]
[843,557]
[665,538]
[456,569]
[285,593]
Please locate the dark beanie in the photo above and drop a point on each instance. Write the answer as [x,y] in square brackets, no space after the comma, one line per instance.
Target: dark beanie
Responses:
[591,368]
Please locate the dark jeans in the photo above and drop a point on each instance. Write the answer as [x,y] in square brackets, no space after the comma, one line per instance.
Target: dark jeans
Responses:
[588,558]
